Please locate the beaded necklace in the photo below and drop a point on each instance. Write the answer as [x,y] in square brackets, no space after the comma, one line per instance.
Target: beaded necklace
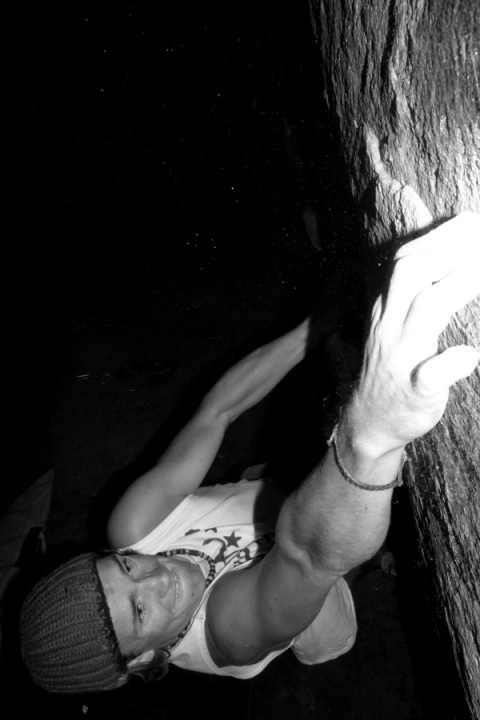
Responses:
[209,578]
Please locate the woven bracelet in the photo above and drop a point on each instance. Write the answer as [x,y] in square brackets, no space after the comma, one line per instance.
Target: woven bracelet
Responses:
[346,475]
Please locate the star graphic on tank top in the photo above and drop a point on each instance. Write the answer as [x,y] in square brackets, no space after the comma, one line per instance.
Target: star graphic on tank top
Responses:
[232,541]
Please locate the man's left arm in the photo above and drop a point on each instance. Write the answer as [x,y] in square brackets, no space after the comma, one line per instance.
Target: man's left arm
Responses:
[183,466]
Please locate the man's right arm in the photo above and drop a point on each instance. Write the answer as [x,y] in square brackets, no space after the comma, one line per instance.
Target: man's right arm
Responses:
[401,394]
[328,526]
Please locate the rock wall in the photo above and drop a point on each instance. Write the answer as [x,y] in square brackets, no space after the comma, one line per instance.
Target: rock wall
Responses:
[403,79]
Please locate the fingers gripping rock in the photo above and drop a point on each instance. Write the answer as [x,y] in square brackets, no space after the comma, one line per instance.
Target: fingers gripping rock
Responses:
[440,372]
[403,388]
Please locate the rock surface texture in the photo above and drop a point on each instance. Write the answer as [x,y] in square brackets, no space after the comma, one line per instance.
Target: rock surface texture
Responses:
[403,79]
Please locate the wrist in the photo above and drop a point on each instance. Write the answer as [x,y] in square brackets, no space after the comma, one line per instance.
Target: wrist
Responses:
[366,434]
[362,463]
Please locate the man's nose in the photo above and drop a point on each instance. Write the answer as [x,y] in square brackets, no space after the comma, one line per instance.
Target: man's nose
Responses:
[158,580]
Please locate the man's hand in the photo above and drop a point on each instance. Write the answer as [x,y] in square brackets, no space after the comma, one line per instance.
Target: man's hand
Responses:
[403,389]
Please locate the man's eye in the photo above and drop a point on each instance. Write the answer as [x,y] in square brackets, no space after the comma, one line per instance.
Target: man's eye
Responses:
[128,566]
[140,612]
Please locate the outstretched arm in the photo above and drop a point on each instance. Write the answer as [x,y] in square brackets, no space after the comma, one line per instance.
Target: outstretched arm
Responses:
[329,526]
[187,460]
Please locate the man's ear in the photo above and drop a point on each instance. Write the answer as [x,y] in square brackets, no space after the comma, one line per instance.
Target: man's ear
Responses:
[145,657]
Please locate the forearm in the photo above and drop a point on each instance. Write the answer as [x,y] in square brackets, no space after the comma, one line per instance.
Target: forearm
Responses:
[401,394]
[256,375]
[241,387]
[331,526]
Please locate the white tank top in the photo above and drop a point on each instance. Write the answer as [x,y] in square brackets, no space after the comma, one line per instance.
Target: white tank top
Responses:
[234,525]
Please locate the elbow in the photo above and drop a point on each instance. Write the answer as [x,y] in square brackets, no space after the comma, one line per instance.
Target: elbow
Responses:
[121,531]
[113,537]
[313,552]
[213,413]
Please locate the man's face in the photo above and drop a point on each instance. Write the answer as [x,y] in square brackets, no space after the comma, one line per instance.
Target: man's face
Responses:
[151,599]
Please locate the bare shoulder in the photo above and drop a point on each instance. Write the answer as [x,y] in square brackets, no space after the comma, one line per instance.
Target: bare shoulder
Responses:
[226,659]
[261,608]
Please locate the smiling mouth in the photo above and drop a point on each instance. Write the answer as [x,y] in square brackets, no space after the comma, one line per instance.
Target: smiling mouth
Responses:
[177,588]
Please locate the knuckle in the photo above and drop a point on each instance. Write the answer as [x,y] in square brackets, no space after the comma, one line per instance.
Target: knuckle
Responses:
[421,301]
[403,265]
[377,310]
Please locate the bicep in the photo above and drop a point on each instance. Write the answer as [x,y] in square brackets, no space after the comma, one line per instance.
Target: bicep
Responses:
[254,611]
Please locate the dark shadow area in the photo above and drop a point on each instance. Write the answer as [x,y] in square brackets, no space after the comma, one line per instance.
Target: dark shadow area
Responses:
[433,662]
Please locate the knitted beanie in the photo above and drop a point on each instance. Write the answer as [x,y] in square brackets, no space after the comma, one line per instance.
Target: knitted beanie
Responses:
[66,632]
